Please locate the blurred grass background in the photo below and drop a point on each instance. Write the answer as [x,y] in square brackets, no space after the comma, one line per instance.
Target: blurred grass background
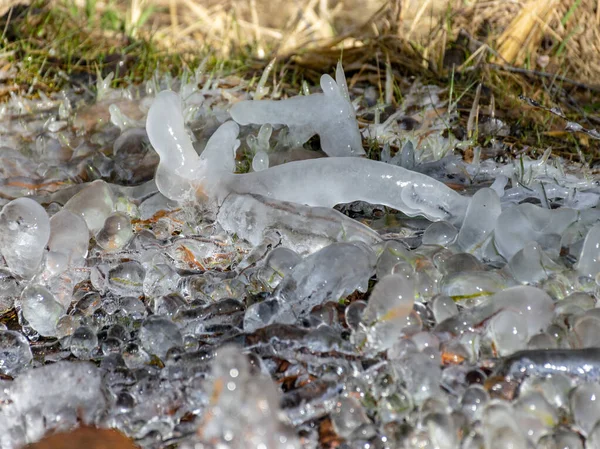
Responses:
[546,49]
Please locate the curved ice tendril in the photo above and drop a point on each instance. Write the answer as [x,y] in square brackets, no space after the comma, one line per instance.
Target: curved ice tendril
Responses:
[324,182]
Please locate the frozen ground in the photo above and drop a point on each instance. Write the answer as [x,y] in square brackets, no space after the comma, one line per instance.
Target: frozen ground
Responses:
[184,278]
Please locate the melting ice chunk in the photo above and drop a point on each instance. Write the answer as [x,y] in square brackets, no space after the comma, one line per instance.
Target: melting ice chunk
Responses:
[330,115]
[24,232]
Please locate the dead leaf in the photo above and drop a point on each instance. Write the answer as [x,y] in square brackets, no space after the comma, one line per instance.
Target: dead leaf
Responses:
[85,438]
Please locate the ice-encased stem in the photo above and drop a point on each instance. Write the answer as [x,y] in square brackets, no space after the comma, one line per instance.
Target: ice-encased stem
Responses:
[330,181]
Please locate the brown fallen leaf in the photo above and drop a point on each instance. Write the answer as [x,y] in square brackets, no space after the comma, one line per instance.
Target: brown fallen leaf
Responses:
[85,438]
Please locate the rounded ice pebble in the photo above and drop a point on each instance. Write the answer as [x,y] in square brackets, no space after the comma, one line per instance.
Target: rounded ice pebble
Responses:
[115,233]
[439,233]
[158,335]
[69,234]
[509,332]
[24,233]
[589,259]
[585,406]
[15,353]
[41,310]
[94,203]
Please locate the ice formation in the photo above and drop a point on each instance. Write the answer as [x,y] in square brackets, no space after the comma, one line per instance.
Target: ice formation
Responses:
[182,174]
[189,306]
[330,115]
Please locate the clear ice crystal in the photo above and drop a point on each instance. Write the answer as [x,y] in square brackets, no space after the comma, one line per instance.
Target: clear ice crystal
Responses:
[24,233]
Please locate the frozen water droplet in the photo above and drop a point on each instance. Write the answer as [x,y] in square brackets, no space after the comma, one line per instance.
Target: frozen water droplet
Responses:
[24,233]
[83,342]
[260,161]
[15,353]
[159,334]
[41,310]
[94,203]
[115,233]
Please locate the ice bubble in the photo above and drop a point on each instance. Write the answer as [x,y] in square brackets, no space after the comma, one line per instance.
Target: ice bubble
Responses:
[40,309]
[115,233]
[15,353]
[586,332]
[94,203]
[158,335]
[353,314]
[24,233]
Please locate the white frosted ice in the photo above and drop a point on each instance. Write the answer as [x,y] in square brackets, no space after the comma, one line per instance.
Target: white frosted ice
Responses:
[330,115]
[24,232]
[55,396]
